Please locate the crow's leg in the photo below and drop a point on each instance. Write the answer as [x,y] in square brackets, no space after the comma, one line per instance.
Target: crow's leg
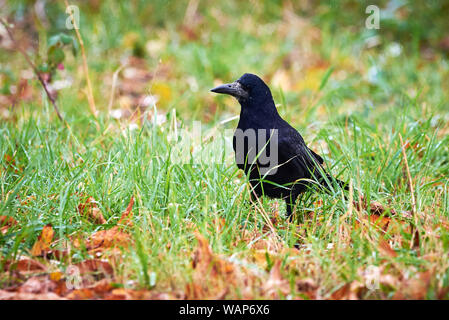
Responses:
[290,203]
[252,197]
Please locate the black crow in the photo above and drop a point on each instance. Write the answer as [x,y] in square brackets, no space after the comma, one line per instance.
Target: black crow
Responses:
[268,149]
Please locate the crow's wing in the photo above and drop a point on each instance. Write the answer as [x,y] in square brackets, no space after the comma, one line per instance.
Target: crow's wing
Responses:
[317,156]
[293,149]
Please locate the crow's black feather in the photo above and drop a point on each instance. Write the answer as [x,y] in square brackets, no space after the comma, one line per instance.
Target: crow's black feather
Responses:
[298,166]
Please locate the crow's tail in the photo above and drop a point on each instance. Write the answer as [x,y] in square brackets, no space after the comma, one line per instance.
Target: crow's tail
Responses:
[325,181]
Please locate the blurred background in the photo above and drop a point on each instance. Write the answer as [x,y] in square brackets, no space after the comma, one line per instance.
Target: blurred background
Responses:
[170,53]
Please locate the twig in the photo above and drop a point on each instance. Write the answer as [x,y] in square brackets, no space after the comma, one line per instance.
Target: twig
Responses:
[114,84]
[35,70]
[90,96]
[259,207]
[412,190]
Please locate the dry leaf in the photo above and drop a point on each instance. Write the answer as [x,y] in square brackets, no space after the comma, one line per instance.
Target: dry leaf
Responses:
[307,287]
[91,211]
[276,284]
[213,275]
[127,214]
[25,265]
[38,285]
[42,246]
[414,288]
[110,238]
[81,294]
[385,248]
[94,265]
[6,223]
[342,293]
[7,295]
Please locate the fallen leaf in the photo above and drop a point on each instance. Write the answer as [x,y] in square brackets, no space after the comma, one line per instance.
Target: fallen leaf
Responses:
[385,248]
[6,223]
[37,285]
[307,287]
[114,237]
[56,276]
[342,293]
[105,239]
[27,201]
[213,275]
[90,209]
[414,288]
[8,295]
[102,287]
[94,265]
[81,294]
[42,246]
[276,284]
[25,265]
[127,214]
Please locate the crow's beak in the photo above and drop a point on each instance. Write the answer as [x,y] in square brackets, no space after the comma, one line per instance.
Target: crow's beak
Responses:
[234,89]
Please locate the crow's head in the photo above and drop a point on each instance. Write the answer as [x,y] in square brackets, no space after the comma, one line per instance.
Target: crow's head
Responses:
[249,88]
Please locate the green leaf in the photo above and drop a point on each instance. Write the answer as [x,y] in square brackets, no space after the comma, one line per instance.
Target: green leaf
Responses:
[55,56]
[326,78]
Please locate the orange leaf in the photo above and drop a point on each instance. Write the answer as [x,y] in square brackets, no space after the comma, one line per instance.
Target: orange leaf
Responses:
[8,295]
[6,223]
[111,238]
[25,265]
[81,294]
[42,246]
[342,293]
[127,214]
[276,283]
[385,248]
[94,265]
[91,210]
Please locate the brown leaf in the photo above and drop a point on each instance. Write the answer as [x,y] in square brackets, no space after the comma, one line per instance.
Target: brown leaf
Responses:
[276,284]
[307,287]
[104,290]
[377,208]
[94,265]
[416,241]
[203,255]
[6,223]
[90,209]
[127,214]
[81,294]
[128,294]
[385,248]
[414,288]
[28,199]
[213,275]
[7,295]
[444,44]
[37,285]
[42,246]
[10,163]
[25,265]
[342,293]
[111,238]
[102,287]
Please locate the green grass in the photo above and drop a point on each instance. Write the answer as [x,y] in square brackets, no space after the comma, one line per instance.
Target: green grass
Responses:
[353,120]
